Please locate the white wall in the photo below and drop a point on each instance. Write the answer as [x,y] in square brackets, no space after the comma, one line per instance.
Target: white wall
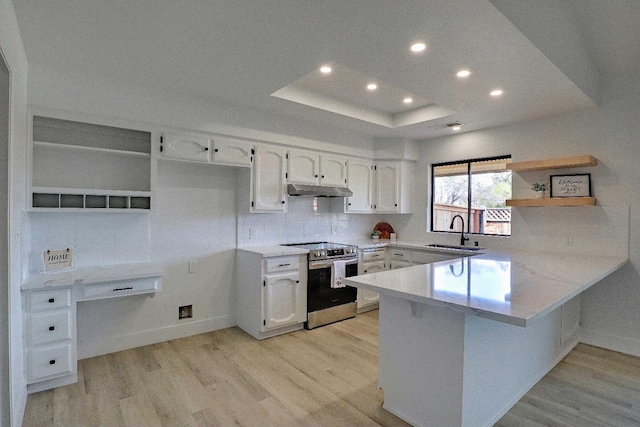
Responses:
[195,217]
[608,132]
[13,393]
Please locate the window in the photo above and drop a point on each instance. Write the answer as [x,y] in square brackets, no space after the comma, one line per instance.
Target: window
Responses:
[474,189]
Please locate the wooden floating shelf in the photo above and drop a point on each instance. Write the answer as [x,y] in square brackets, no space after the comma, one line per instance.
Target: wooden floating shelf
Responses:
[553,201]
[561,163]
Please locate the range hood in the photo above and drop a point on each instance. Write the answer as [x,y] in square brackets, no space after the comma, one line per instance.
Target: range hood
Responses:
[317,191]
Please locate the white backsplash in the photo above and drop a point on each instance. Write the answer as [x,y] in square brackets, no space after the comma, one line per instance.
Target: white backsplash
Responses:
[98,238]
[307,220]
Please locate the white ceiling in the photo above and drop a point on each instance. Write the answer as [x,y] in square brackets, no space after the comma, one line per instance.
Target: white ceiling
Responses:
[240,52]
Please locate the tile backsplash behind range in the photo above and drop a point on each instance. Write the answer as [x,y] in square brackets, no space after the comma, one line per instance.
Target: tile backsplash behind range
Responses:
[308,219]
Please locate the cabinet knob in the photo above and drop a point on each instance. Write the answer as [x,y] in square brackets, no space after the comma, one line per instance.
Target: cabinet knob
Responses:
[396,205]
[206,148]
[349,204]
[52,300]
[283,202]
[52,362]
[52,328]
[322,176]
[297,281]
[316,176]
[216,150]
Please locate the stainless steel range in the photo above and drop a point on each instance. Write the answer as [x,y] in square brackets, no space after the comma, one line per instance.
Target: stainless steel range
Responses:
[327,303]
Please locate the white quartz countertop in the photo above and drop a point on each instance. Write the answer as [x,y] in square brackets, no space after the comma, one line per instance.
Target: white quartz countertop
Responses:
[97,274]
[515,287]
[271,251]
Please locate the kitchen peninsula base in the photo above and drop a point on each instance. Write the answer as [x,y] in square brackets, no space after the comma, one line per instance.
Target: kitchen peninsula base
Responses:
[440,367]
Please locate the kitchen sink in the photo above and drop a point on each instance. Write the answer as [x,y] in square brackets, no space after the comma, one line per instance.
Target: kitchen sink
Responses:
[454,247]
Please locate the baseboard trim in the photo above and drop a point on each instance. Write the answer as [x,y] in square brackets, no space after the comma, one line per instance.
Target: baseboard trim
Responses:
[610,342]
[88,348]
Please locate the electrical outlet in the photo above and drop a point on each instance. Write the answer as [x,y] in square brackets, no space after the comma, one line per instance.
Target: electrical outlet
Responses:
[334,229]
[252,233]
[185,312]
[193,267]
[568,241]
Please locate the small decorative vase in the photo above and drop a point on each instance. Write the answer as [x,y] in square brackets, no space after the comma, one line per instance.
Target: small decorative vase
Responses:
[540,194]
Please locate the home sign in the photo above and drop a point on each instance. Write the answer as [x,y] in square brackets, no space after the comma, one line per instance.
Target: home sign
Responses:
[58,260]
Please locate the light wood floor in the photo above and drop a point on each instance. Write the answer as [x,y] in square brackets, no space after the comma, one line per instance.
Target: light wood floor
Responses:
[324,377]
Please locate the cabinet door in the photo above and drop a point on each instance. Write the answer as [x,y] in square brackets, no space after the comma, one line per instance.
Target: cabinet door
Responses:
[360,182]
[387,187]
[373,267]
[283,299]
[268,180]
[333,171]
[399,264]
[186,147]
[229,151]
[304,167]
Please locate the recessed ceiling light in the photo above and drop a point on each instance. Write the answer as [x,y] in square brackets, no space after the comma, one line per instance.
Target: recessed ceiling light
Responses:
[496,92]
[463,73]
[456,127]
[372,86]
[325,69]
[418,47]
[407,100]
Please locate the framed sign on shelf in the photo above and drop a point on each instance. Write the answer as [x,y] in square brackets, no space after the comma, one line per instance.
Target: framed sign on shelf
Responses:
[578,185]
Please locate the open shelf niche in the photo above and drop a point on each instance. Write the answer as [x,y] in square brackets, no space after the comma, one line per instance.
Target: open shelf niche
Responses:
[548,164]
[87,167]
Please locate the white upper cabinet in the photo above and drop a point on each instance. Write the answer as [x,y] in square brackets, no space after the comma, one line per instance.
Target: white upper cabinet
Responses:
[230,151]
[303,167]
[394,182]
[186,147]
[269,189]
[312,168]
[333,171]
[360,182]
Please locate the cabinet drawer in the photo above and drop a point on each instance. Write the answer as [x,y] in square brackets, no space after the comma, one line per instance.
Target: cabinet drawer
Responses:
[49,327]
[372,256]
[49,300]
[49,362]
[425,257]
[273,265]
[401,254]
[121,288]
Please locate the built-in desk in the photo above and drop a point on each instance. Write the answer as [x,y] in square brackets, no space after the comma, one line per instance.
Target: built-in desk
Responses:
[462,340]
[49,306]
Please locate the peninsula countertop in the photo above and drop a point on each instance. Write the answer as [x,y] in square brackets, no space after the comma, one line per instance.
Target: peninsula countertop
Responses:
[514,287]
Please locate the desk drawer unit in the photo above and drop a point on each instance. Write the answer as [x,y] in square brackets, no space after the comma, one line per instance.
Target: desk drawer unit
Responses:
[49,300]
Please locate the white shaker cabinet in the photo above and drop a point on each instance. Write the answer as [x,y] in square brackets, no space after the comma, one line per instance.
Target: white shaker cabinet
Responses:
[195,148]
[360,182]
[372,261]
[229,151]
[268,189]
[393,187]
[271,293]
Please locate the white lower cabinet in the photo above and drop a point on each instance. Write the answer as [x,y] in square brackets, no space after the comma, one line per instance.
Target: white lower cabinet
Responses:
[51,336]
[283,300]
[271,293]
[373,261]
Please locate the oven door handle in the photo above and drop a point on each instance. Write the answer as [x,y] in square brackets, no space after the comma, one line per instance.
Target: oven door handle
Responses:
[314,265]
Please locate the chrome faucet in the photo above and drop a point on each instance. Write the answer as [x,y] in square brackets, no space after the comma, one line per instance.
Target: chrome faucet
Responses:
[462,238]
